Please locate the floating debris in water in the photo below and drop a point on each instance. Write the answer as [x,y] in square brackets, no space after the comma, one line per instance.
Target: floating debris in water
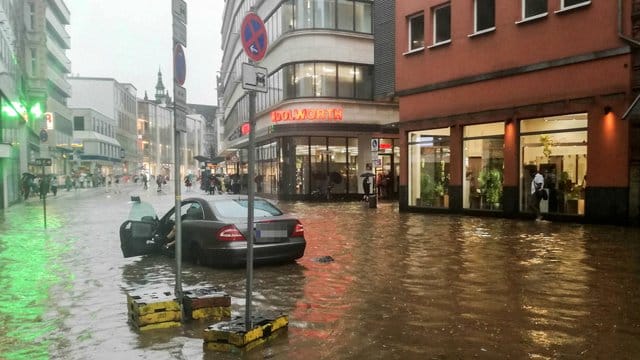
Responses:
[323,259]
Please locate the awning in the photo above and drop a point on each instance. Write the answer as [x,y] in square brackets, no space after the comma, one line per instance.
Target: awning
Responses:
[201,158]
[215,160]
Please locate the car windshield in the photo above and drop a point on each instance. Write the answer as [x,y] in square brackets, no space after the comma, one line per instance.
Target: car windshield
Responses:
[237,208]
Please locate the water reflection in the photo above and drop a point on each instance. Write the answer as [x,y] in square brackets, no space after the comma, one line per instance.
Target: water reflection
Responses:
[401,286]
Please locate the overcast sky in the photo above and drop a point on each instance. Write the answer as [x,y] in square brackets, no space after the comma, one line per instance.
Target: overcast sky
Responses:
[129,40]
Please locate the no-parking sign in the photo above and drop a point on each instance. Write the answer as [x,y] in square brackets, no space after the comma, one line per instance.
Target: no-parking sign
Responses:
[254,37]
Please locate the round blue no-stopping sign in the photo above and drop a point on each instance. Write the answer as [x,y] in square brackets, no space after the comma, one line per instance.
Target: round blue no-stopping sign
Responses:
[254,37]
[179,65]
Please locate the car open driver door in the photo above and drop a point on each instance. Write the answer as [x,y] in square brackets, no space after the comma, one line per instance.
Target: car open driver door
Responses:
[136,233]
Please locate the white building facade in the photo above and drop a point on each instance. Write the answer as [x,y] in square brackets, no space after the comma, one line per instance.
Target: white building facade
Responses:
[116,101]
[97,152]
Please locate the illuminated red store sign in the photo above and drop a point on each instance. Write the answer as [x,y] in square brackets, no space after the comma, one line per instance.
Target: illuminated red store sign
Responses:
[310,114]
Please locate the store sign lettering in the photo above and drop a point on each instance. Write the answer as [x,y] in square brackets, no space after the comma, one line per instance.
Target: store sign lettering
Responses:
[334,114]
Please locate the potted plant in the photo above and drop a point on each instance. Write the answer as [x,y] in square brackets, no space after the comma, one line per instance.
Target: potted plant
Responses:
[490,180]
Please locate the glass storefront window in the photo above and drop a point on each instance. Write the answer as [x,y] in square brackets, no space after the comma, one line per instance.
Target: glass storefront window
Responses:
[429,158]
[557,147]
[319,159]
[338,169]
[483,166]
[352,153]
[302,164]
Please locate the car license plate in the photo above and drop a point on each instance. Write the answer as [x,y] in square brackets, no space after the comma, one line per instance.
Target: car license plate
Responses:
[270,232]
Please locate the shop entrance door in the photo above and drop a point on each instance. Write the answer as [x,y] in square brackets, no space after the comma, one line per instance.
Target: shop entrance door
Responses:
[386,184]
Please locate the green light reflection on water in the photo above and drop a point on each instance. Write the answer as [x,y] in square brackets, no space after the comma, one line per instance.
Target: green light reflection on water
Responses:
[29,267]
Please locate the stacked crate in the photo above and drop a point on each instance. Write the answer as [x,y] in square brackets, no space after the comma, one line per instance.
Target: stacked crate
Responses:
[232,335]
[206,303]
[153,310]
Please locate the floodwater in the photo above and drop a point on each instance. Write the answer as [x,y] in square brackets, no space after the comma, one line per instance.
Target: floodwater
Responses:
[400,286]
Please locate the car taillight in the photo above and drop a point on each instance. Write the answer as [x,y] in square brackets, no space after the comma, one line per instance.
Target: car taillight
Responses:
[229,233]
[298,230]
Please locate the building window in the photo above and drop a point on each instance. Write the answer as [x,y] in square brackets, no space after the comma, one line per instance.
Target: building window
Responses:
[416,32]
[325,16]
[326,80]
[32,16]
[304,80]
[34,62]
[442,24]
[483,166]
[78,123]
[429,158]
[364,82]
[533,8]
[557,148]
[363,17]
[573,3]
[345,15]
[485,18]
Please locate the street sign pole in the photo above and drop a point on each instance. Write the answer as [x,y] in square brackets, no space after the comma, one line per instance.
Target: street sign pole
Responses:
[42,162]
[44,199]
[179,9]
[254,43]
[250,204]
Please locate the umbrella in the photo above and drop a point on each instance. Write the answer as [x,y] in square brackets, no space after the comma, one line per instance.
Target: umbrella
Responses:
[28,174]
[367,174]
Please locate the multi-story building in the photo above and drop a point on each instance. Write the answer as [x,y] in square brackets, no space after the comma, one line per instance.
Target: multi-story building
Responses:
[47,89]
[96,150]
[33,65]
[316,122]
[14,125]
[490,91]
[155,137]
[208,112]
[116,101]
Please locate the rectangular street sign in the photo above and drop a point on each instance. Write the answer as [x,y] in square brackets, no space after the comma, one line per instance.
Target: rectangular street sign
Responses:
[179,97]
[43,162]
[254,78]
[179,10]
[180,32]
[180,123]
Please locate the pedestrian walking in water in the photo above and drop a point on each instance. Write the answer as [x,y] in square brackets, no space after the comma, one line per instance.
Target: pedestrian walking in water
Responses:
[159,182]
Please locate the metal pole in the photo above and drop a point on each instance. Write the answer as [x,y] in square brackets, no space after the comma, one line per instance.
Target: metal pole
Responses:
[44,198]
[250,231]
[178,222]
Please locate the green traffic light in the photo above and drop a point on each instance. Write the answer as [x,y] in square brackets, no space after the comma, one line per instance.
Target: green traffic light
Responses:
[9,111]
[36,110]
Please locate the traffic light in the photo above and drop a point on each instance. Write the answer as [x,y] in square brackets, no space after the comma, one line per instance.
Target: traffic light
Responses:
[36,110]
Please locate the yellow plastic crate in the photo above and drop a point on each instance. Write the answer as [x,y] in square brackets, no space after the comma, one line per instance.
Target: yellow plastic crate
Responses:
[143,303]
[233,332]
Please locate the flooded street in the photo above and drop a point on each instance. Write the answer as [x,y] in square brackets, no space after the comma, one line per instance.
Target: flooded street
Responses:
[401,286]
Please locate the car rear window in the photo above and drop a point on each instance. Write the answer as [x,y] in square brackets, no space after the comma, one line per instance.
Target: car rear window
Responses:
[237,208]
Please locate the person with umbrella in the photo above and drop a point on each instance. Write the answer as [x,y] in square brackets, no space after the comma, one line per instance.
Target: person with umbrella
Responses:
[366,184]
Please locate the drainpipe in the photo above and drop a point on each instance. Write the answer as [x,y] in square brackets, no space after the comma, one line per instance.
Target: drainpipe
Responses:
[631,41]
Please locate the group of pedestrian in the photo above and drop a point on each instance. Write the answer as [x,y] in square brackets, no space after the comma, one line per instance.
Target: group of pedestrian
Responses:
[38,185]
